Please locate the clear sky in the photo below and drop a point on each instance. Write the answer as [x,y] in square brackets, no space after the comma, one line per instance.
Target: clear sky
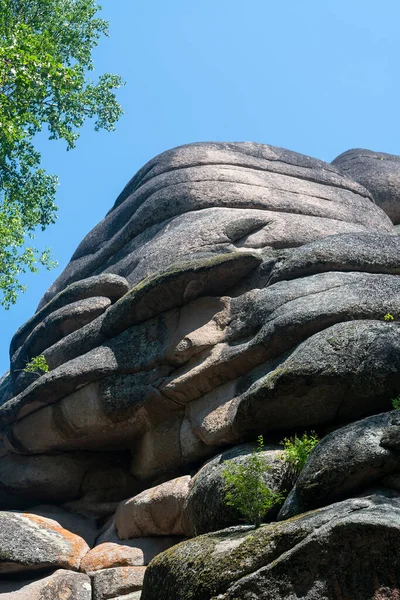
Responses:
[317,76]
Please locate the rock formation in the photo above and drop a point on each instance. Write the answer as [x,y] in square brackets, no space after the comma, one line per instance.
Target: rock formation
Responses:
[234,289]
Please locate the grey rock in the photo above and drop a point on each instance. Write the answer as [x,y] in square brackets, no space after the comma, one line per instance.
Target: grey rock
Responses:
[155,295]
[6,388]
[365,252]
[30,542]
[141,372]
[95,478]
[341,373]
[205,233]
[61,584]
[205,508]
[344,372]
[392,481]
[77,524]
[184,282]
[73,345]
[240,343]
[263,324]
[118,355]
[306,558]
[109,285]
[119,581]
[346,461]
[29,480]
[213,176]
[378,172]
[233,289]
[105,414]
[57,325]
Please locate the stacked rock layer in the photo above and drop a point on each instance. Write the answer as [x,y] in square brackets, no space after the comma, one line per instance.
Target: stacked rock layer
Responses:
[234,289]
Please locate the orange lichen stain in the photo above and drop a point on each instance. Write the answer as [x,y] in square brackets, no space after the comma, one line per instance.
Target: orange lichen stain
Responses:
[77,545]
[108,555]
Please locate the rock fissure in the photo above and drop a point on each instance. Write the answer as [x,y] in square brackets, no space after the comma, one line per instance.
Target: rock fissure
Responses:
[233,290]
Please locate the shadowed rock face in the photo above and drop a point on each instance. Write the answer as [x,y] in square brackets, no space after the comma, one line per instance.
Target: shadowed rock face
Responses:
[232,290]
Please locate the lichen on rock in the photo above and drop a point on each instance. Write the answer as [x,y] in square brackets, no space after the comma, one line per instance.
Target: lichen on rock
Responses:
[233,290]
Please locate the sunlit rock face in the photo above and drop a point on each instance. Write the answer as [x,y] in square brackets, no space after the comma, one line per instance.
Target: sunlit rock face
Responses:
[379,172]
[233,289]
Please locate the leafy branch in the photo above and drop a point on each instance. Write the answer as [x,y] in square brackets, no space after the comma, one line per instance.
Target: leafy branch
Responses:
[37,364]
[45,60]
[245,488]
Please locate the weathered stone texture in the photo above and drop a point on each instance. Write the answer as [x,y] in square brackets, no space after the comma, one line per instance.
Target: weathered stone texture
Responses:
[60,585]
[233,290]
[378,172]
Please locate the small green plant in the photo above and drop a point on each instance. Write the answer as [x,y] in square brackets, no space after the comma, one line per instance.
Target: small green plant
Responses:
[297,450]
[37,364]
[396,402]
[245,489]
[388,317]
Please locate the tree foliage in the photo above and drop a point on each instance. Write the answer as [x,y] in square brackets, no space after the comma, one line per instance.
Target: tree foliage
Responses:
[245,488]
[45,60]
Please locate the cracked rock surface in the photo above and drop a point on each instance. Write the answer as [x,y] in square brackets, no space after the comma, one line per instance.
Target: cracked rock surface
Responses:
[233,290]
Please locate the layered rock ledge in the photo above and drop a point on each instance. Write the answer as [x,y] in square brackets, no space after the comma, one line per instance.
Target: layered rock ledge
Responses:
[233,290]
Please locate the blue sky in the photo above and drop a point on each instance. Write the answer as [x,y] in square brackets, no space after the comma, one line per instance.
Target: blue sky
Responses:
[315,77]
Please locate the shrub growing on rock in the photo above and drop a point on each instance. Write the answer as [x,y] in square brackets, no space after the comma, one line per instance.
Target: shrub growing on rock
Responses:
[298,449]
[37,365]
[396,402]
[388,317]
[246,490]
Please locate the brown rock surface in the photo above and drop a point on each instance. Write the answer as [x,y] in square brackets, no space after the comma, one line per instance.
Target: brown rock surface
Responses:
[156,511]
[120,581]
[61,585]
[128,553]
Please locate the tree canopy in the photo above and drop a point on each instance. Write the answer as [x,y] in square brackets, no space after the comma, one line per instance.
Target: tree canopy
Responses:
[45,62]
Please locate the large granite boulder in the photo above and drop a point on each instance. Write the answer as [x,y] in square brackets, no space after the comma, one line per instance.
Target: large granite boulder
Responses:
[137,552]
[205,508]
[346,550]
[203,198]
[157,511]
[233,290]
[169,355]
[347,460]
[118,582]
[29,542]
